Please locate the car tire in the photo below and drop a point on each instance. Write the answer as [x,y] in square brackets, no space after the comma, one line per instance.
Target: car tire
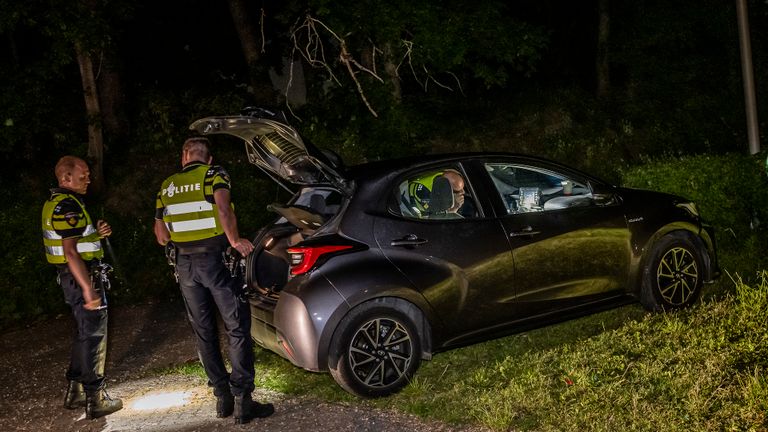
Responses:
[673,274]
[375,350]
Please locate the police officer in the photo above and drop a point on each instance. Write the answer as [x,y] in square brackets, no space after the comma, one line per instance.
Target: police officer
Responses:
[194,212]
[457,187]
[72,243]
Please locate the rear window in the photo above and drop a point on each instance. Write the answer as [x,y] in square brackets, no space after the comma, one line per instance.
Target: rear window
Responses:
[323,201]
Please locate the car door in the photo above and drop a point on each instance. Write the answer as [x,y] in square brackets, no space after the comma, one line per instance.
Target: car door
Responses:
[570,246]
[460,262]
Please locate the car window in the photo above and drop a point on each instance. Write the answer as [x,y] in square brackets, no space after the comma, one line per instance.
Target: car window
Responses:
[321,200]
[442,193]
[526,189]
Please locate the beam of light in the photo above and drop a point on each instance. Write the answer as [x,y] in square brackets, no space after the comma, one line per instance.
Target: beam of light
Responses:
[158,401]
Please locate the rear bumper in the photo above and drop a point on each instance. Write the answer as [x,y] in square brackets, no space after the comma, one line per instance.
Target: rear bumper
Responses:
[263,330]
[293,326]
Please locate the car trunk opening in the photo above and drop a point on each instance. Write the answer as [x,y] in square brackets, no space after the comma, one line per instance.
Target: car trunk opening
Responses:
[279,151]
[269,266]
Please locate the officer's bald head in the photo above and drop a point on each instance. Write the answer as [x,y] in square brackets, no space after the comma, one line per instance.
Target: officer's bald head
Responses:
[196,149]
[66,166]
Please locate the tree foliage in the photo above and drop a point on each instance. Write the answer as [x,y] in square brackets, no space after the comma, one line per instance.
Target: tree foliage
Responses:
[393,55]
[679,73]
[39,81]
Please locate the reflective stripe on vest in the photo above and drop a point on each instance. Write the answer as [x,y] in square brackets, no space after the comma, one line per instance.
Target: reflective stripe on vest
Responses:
[88,245]
[189,212]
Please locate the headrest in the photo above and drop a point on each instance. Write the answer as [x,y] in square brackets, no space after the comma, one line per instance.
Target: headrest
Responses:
[442,195]
[317,202]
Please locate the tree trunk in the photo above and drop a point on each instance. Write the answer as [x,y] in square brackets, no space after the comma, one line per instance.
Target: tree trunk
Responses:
[290,82]
[251,50]
[112,103]
[245,31]
[602,69]
[93,111]
[391,70]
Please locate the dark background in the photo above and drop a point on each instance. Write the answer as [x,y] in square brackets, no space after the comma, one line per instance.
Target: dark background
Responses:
[484,75]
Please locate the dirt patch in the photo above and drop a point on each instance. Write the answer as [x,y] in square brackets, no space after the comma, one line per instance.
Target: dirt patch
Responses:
[143,339]
[34,361]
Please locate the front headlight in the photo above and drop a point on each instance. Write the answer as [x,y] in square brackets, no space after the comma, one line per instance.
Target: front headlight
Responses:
[690,207]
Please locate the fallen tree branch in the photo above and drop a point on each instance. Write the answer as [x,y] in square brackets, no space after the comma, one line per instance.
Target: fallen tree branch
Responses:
[314,53]
[312,49]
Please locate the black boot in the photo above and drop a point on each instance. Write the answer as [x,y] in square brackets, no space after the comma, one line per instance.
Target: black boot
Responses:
[98,404]
[225,404]
[75,397]
[246,409]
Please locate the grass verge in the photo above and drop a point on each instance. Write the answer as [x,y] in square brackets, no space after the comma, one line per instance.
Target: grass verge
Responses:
[700,369]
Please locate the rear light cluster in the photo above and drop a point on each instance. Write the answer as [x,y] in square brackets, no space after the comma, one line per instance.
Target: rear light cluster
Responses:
[303,258]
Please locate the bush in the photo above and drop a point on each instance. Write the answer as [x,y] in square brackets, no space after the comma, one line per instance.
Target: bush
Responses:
[731,192]
[27,283]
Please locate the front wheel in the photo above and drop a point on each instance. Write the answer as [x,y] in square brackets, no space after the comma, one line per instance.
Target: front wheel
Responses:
[672,277]
[375,351]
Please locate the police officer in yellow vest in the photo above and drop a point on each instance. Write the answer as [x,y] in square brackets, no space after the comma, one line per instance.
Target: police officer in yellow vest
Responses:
[72,243]
[194,212]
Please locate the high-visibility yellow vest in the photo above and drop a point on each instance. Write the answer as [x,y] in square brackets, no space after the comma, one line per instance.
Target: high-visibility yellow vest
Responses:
[88,245]
[189,210]
[420,191]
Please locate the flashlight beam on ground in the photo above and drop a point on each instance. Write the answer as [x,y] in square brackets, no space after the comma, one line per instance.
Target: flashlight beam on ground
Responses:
[158,401]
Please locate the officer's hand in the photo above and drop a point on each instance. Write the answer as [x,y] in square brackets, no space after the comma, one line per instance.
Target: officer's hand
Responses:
[103,228]
[91,300]
[93,304]
[244,246]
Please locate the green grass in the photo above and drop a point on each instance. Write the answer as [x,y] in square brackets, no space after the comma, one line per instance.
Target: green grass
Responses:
[189,368]
[700,369]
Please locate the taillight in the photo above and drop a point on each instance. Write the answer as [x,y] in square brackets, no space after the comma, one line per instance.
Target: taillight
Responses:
[303,258]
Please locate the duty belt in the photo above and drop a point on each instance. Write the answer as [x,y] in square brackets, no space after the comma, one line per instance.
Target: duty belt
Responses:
[186,250]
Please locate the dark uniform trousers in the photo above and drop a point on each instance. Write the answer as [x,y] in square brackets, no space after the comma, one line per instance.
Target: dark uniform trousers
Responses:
[89,345]
[207,284]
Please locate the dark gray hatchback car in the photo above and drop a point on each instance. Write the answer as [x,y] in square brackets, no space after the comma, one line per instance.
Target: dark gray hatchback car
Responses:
[368,270]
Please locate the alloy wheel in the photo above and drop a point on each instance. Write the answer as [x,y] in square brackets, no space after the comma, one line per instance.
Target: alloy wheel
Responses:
[380,352]
[677,276]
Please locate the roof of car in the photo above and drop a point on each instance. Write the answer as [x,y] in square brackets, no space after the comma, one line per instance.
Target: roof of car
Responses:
[382,167]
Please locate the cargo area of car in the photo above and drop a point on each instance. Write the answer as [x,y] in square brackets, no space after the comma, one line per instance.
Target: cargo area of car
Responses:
[268,267]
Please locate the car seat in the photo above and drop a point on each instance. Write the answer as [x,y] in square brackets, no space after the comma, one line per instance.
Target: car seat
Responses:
[419,197]
[441,198]
[317,203]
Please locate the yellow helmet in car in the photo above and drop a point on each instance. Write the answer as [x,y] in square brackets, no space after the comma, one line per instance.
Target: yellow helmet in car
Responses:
[420,191]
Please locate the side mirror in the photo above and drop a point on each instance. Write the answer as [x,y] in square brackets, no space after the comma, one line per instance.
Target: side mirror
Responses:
[604,194]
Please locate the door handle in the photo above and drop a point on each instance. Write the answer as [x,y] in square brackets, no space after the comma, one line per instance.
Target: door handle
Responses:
[525,232]
[409,240]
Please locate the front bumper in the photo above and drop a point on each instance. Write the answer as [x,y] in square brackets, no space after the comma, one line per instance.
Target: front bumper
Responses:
[708,234]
